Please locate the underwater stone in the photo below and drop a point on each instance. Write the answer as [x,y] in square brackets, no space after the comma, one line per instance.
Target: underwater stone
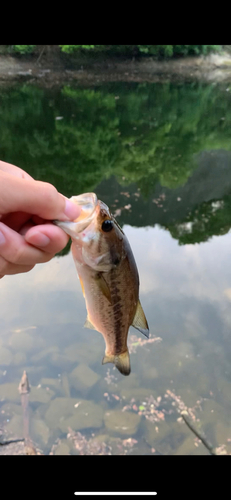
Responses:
[60,361]
[9,392]
[40,395]
[65,385]
[15,426]
[39,431]
[59,409]
[188,448]
[10,409]
[63,448]
[52,383]
[82,353]
[83,377]
[42,355]
[212,412]
[152,435]
[122,422]
[87,414]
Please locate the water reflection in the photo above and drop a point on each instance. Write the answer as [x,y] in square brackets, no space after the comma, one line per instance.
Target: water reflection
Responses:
[156,166]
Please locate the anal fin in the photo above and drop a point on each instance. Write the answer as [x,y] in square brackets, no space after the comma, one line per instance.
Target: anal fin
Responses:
[88,324]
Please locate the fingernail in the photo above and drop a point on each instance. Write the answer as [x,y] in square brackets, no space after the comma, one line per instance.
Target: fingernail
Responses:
[71,210]
[2,238]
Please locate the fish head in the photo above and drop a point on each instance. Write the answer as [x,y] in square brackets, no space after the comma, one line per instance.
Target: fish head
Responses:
[88,203]
[101,241]
[97,239]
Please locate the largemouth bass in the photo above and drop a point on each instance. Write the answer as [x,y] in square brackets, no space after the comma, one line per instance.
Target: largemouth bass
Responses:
[108,276]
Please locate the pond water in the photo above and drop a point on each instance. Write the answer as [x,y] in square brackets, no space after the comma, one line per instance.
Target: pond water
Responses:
[160,156]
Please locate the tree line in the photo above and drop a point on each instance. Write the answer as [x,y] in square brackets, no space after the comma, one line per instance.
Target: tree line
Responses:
[158,51]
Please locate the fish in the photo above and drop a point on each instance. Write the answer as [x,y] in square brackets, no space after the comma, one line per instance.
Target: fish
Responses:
[108,276]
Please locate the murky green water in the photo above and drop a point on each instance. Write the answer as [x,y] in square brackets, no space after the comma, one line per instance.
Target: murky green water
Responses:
[160,156]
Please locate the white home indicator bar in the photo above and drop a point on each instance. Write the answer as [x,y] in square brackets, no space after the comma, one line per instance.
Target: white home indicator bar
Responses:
[117,493]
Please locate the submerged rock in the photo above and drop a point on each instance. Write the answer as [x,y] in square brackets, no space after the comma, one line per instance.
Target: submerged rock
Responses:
[39,431]
[63,448]
[84,353]
[60,361]
[212,411]
[87,414]
[156,431]
[83,378]
[51,383]
[40,395]
[42,355]
[15,426]
[9,410]
[188,448]
[122,422]
[59,409]
[9,392]
[74,413]
[65,385]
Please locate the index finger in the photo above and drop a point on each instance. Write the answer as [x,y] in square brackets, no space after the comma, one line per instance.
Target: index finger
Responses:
[13,170]
[35,198]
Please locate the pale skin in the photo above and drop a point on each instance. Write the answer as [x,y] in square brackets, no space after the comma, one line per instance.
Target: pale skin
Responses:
[27,208]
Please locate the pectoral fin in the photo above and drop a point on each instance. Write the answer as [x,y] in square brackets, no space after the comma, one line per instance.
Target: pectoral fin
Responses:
[140,322]
[89,325]
[102,284]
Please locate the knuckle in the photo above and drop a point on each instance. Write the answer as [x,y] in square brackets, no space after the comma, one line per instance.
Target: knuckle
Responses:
[17,255]
[50,195]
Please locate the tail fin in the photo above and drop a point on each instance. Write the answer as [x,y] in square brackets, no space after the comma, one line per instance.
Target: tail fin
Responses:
[121,361]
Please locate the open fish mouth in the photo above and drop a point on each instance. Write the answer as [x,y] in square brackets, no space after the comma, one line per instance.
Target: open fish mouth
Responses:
[88,203]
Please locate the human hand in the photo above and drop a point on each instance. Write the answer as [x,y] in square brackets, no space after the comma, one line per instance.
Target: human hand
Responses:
[27,207]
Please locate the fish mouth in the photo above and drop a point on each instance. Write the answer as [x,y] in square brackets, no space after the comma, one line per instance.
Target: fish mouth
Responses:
[88,203]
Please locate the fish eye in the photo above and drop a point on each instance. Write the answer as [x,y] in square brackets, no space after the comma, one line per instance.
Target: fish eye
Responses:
[107,225]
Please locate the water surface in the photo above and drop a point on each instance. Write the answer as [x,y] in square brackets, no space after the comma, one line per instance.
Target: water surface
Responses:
[160,156]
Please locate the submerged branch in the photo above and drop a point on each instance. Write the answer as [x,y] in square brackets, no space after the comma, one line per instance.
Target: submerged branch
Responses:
[24,389]
[211,450]
[12,441]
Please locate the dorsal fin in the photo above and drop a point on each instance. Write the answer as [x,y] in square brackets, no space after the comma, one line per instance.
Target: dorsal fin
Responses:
[140,322]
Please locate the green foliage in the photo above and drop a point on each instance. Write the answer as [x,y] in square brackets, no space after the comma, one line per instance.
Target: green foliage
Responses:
[155,50]
[73,48]
[23,49]
[158,51]
[144,135]
[207,220]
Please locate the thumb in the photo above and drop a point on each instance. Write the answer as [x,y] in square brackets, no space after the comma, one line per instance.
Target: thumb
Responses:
[34,197]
